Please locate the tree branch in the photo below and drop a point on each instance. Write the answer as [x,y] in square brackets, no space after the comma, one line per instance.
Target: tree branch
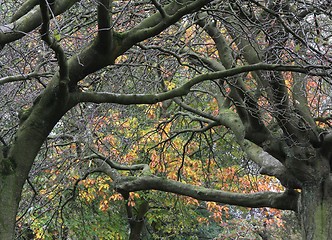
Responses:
[29,22]
[195,110]
[159,8]
[245,102]
[24,9]
[113,164]
[286,200]
[28,76]
[269,165]
[289,30]
[52,42]
[157,23]
[104,26]
[127,99]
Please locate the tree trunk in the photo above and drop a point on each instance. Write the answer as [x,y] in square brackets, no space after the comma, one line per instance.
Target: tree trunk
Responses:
[10,195]
[315,211]
[138,222]
[16,162]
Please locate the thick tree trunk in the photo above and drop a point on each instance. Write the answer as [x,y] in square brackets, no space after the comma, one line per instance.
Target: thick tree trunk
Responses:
[315,211]
[10,194]
[16,162]
[137,222]
[12,178]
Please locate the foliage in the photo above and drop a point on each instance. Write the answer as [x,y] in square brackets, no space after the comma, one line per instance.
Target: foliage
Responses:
[93,208]
[122,119]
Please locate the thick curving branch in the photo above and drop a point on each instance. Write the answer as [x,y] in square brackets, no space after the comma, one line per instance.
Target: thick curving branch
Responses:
[245,102]
[269,165]
[106,163]
[285,201]
[24,9]
[224,50]
[127,99]
[90,59]
[30,21]
[156,23]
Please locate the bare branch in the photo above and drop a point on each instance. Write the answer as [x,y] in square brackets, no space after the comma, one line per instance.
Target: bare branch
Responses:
[287,200]
[289,29]
[17,78]
[34,74]
[194,110]
[52,42]
[163,50]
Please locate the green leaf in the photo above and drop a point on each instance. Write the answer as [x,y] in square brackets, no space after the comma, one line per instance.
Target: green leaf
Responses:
[57,36]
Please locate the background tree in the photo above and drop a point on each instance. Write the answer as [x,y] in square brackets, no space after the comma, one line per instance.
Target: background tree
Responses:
[213,72]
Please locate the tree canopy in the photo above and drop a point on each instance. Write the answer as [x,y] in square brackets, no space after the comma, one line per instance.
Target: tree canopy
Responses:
[145,98]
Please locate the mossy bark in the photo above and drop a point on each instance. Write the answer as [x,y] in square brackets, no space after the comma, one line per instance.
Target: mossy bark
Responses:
[16,162]
[315,211]
[10,194]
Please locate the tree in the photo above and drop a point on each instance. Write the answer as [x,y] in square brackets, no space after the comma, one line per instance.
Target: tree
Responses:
[265,65]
